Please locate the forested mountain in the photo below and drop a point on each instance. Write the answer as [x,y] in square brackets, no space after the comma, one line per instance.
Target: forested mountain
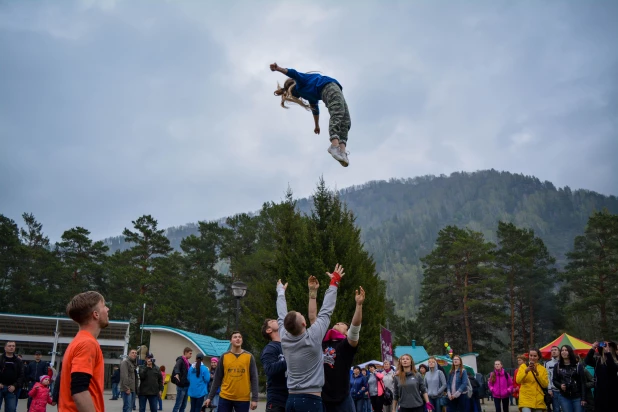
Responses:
[400,219]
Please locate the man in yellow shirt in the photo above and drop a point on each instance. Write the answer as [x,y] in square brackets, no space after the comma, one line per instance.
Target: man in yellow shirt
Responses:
[237,376]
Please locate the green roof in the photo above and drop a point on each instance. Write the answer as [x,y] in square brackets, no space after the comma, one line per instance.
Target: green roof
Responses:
[417,352]
[208,345]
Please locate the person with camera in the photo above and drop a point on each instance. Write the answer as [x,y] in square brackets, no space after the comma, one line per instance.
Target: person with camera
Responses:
[602,357]
[568,377]
[533,380]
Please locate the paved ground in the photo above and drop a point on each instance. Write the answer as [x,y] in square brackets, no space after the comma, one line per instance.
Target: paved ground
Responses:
[116,406]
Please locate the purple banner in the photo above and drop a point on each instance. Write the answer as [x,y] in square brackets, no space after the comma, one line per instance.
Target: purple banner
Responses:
[387,345]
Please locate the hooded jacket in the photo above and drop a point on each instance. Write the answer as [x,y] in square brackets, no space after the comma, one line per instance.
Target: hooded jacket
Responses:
[181,370]
[435,381]
[500,384]
[198,385]
[40,397]
[530,393]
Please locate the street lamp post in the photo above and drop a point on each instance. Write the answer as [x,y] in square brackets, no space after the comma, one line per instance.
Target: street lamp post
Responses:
[239,289]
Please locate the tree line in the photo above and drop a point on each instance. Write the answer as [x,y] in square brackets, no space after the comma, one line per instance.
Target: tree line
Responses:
[498,298]
[510,296]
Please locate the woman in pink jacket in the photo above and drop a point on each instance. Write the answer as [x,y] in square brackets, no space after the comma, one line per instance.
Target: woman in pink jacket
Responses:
[501,386]
[40,395]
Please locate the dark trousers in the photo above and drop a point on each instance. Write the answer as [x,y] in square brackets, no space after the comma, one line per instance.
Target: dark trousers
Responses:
[458,404]
[504,403]
[30,386]
[152,401]
[271,407]
[225,405]
[377,402]
[303,403]
[346,405]
[196,404]
[417,409]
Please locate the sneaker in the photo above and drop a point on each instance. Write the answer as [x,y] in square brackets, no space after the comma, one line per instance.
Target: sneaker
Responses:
[335,152]
[345,162]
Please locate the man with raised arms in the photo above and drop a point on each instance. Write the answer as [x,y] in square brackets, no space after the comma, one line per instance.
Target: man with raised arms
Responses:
[302,347]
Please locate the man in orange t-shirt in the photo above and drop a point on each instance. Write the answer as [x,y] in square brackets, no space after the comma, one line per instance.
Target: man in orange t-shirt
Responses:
[82,377]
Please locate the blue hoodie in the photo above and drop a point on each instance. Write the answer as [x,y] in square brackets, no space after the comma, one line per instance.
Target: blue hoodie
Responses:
[309,86]
[198,386]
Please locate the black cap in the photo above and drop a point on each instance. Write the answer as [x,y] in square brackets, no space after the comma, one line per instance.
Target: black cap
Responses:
[150,356]
[37,352]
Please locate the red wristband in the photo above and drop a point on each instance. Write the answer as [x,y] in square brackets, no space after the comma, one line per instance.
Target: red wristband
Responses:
[335,279]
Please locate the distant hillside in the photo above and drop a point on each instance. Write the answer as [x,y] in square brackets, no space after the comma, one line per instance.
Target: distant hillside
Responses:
[400,219]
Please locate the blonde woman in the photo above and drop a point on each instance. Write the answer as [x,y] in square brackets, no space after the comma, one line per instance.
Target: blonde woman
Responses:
[410,391]
[306,90]
[435,381]
[533,379]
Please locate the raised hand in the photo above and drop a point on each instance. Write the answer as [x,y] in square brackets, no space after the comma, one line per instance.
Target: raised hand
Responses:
[273,67]
[281,287]
[313,283]
[359,296]
[338,269]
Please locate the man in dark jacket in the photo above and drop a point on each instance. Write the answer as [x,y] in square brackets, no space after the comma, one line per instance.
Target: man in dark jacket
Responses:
[180,379]
[34,371]
[115,382]
[11,377]
[150,384]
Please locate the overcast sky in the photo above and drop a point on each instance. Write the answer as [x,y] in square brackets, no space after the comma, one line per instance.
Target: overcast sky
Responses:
[114,109]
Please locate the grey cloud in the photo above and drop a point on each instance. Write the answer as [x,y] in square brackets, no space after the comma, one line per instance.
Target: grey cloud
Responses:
[115,109]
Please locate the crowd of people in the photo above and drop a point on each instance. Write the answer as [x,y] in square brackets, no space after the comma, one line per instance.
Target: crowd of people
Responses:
[309,367]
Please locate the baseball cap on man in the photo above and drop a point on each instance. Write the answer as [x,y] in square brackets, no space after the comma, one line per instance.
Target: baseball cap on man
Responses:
[37,352]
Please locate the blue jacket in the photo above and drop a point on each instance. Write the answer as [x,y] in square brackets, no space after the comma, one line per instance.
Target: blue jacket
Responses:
[275,368]
[356,387]
[198,386]
[461,383]
[36,370]
[309,86]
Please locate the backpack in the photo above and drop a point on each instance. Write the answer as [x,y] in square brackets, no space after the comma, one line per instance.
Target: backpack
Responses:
[387,395]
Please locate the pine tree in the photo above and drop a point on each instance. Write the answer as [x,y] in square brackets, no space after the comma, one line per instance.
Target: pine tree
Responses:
[459,303]
[83,262]
[526,269]
[592,272]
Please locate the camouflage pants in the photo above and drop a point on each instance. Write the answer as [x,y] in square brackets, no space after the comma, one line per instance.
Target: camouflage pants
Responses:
[340,122]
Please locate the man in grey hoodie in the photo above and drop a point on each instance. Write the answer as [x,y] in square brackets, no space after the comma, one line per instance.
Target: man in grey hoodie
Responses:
[302,347]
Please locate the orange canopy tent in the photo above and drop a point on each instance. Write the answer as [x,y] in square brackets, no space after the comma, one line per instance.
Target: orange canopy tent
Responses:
[579,346]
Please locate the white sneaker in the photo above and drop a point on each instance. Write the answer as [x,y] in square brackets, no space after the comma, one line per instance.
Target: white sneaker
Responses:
[336,153]
[345,162]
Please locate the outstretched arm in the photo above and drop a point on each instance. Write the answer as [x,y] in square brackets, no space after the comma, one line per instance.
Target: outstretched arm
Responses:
[318,330]
[312,312]
[282,306]
[316,118]
[353,333]
[275,68]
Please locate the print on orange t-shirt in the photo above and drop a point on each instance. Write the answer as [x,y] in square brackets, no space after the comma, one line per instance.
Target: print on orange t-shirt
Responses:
[83,355]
